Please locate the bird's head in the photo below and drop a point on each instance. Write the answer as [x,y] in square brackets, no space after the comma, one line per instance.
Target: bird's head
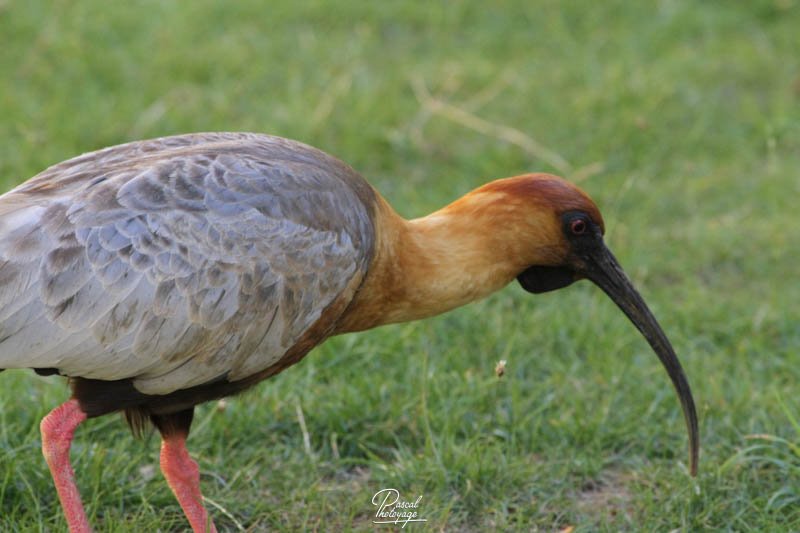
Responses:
[558,232]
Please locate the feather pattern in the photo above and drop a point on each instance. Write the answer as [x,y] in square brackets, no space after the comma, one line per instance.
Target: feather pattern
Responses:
[178,261]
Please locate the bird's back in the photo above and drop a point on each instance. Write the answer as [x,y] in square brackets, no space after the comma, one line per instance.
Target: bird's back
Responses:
[180,261]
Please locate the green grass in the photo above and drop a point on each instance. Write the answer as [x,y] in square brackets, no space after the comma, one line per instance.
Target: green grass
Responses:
[681,119]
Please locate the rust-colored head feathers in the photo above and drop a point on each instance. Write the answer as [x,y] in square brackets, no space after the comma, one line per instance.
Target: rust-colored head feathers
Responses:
[544,191]
[519,220]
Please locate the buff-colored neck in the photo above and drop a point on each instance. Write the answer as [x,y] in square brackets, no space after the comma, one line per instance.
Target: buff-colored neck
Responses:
[426,266]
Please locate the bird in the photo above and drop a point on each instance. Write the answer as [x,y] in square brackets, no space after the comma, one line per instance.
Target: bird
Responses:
[161,274]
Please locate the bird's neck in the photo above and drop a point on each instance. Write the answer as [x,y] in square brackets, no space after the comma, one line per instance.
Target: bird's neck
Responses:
[426,266]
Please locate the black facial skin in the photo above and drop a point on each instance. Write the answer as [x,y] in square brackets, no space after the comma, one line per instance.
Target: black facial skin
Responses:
[584,237]
[589,258]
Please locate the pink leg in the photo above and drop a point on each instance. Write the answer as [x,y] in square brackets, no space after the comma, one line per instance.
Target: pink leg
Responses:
[57,428]
[183,477]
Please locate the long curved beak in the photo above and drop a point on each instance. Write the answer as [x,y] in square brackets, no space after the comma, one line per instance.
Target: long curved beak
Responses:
[603,269]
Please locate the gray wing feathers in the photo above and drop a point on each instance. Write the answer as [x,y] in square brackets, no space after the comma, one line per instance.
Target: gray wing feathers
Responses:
[188,260]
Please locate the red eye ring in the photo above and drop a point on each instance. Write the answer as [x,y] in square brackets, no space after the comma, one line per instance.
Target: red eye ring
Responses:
[578,226]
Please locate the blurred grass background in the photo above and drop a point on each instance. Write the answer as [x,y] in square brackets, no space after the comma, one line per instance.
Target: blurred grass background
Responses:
[681,119]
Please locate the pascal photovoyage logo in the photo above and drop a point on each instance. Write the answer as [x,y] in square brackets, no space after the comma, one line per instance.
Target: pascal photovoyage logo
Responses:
[392,509]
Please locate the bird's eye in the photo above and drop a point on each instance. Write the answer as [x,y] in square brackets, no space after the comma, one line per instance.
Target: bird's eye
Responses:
[578,226]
